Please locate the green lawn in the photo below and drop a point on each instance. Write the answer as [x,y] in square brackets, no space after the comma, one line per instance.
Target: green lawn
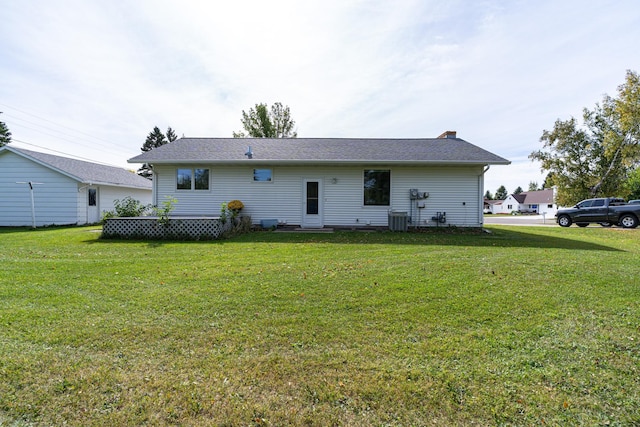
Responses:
[523,326]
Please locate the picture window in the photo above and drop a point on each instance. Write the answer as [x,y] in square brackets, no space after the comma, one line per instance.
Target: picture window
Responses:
[377,187]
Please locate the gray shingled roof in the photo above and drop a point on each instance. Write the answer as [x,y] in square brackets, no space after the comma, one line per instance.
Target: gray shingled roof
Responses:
[87,172]
[320,150]
[537,197]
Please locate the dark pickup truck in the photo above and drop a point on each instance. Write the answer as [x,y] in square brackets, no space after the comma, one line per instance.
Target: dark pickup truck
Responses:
[606,212]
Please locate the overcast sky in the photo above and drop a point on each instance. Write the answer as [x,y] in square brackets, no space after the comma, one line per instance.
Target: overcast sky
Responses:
[91,78]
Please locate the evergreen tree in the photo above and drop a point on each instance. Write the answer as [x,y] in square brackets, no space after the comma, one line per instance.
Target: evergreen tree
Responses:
[518,190]
[171,135]
[501,193]
[155,139]
[5,135]
[488,195]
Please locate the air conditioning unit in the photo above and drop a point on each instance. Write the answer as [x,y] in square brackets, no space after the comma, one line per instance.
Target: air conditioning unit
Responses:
[398,221]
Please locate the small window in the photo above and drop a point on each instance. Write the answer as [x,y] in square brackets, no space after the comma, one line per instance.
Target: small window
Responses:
[263,175]
[509,206]
[549,206]
[92,193]
[184,179]
[377,187]
[192,179]
[201,179]
[598,202]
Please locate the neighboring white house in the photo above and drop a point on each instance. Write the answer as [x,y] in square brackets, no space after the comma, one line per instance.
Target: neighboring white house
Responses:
[64,190]
[539,202]
[318,182]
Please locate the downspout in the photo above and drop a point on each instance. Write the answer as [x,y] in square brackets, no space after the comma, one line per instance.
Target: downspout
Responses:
[481,195]
[154,186]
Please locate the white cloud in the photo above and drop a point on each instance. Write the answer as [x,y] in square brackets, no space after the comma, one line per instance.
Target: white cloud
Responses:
[498,72]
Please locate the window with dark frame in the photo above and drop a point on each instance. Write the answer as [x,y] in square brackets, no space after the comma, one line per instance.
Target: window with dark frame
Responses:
[192,179]
[201,179]
[377,187]
[184,179]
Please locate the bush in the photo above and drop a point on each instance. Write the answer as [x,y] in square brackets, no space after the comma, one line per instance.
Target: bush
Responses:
[127,207]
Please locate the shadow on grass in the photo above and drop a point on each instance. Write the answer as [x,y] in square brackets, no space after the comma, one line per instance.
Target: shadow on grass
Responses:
[502,238]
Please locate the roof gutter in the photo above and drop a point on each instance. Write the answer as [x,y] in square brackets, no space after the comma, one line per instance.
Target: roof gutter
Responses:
[247,162]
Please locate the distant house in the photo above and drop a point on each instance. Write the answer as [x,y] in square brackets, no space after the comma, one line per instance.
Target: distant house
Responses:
[492,206]
[539,202]
[64,190]
[333,182]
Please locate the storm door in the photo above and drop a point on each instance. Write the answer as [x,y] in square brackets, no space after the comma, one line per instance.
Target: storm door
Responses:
[312,204]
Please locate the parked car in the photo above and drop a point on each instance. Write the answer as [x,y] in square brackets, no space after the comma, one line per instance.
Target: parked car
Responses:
[604,211]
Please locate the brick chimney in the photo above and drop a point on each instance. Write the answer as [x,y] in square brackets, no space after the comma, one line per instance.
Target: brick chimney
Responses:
[448,134]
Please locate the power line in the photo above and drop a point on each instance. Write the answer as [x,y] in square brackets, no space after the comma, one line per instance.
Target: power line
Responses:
[66,154]
[54,123]
[68,140]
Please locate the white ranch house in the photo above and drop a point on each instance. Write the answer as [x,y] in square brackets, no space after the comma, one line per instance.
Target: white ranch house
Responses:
[539,202]
[47,189]
[325,182]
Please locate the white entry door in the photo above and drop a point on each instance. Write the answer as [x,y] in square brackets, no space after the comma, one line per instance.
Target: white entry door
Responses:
[312,204]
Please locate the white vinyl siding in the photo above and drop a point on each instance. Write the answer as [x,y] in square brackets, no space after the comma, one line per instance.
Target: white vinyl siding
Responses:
[54,199]
[454,190]
[59,199]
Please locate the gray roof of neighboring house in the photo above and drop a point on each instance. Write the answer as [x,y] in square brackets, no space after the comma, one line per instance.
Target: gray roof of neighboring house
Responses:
[537,197]
[320,150]
[519,197]
[85,172]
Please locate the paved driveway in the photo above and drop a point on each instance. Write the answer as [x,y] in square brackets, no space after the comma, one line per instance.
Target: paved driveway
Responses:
[538,220]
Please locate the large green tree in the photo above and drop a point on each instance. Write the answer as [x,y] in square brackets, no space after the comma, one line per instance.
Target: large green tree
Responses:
[5,135]
[594,158]
[155,139]
[262,122]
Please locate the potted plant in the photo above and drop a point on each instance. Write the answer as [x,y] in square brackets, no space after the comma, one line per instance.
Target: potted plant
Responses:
[235,206]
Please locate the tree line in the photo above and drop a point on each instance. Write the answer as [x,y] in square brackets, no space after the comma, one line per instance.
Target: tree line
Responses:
[501,193]
[259,122]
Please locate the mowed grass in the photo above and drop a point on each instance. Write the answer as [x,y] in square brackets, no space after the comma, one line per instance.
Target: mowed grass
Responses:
[523,326]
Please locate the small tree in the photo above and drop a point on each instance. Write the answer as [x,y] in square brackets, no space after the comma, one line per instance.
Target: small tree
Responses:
[518,190]
[260,122]
[501,193]
[488,195]
[5,135]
